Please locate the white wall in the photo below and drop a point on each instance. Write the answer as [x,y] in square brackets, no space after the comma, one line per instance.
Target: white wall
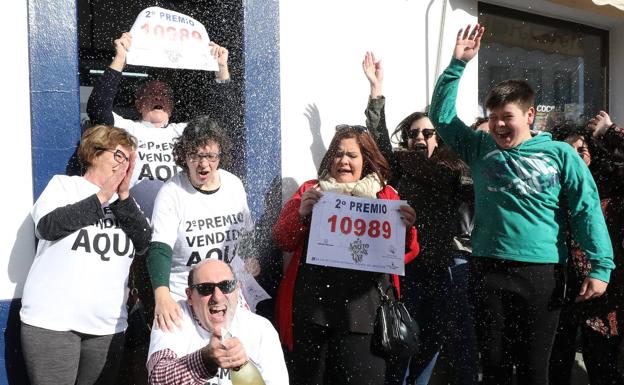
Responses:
[322,44]
[17,246]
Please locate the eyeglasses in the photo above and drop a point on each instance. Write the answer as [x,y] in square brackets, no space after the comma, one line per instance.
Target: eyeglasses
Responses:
[427,133]
[207,288]
[118,155]
[210,157]
[356,127]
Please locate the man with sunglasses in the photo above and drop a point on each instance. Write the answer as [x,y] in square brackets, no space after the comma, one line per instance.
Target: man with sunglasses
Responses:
[199,352]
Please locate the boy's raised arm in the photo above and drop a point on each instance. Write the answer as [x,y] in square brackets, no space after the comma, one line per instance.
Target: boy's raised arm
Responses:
[443,113]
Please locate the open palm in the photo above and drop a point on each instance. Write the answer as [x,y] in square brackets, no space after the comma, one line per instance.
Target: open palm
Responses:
[468,42]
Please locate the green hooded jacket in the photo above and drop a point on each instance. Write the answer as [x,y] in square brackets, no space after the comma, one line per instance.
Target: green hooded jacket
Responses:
[524,195]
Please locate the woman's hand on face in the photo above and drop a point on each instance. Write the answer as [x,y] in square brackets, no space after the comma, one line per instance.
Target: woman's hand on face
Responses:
[308,200]
[111,184]
[123,190]
[408,215]
[167,312]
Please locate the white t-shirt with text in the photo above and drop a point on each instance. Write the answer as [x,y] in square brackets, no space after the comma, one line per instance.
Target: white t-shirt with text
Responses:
[78,282]
[154,162]
[199,226]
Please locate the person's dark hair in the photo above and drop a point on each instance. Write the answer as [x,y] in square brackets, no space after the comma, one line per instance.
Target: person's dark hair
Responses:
[373,160]
[402,130]
[151,86]
[511,91]
[200,132]
[565,130]
[445,156]
[479,121]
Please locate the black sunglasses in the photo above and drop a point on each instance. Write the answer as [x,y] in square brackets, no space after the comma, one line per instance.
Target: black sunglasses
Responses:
[427,133]
[207,288]
[356,127]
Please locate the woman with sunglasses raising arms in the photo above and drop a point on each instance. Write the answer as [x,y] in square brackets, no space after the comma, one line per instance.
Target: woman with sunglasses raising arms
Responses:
[325,315]
[89,229]
[437,184]
[200,213]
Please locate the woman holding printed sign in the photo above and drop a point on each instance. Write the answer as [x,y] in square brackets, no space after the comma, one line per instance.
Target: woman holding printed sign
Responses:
[326,314]
[200,213]
[89,228]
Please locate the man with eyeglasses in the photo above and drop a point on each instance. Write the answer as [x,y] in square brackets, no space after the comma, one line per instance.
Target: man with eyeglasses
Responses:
[198,353]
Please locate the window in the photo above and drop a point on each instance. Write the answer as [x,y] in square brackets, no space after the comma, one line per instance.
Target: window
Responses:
[564,62]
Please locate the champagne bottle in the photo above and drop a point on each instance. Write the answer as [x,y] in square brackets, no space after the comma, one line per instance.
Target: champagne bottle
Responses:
[248,373]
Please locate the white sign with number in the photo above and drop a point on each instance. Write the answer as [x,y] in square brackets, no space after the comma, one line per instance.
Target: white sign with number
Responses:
[357,233]
[163,38]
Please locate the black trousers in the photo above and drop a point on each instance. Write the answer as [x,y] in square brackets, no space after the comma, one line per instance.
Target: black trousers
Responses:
[325,356]
[516,307]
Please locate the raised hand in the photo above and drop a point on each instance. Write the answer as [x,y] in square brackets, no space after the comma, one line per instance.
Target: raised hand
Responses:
[374,73]
[599,124]
[221,54]
[122,46]
[468,42]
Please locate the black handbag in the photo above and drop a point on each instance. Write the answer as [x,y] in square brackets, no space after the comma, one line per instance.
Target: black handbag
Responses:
[396,333]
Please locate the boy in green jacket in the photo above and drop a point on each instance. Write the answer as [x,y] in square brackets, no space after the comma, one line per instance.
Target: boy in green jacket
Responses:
[527,188]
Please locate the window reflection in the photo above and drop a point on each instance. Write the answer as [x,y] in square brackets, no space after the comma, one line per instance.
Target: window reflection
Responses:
[564,62]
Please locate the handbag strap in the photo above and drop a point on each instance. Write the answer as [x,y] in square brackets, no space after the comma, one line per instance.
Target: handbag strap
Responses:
[384,293]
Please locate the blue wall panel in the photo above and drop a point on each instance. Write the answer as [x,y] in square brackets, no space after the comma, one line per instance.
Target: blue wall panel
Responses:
[54,87]
[55,126]
[262,106]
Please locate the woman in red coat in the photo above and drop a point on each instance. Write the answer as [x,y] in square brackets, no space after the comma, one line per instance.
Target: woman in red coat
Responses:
[325,315]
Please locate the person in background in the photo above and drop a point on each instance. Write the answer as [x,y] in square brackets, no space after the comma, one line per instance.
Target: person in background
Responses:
[602,145]
[325,315]
[480,124]
[522,183]
[199,352]
[201,213]
[89,229]
[438,186]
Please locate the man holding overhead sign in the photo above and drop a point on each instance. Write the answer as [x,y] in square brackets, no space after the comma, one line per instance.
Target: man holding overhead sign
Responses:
[159,38]
[164,38]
